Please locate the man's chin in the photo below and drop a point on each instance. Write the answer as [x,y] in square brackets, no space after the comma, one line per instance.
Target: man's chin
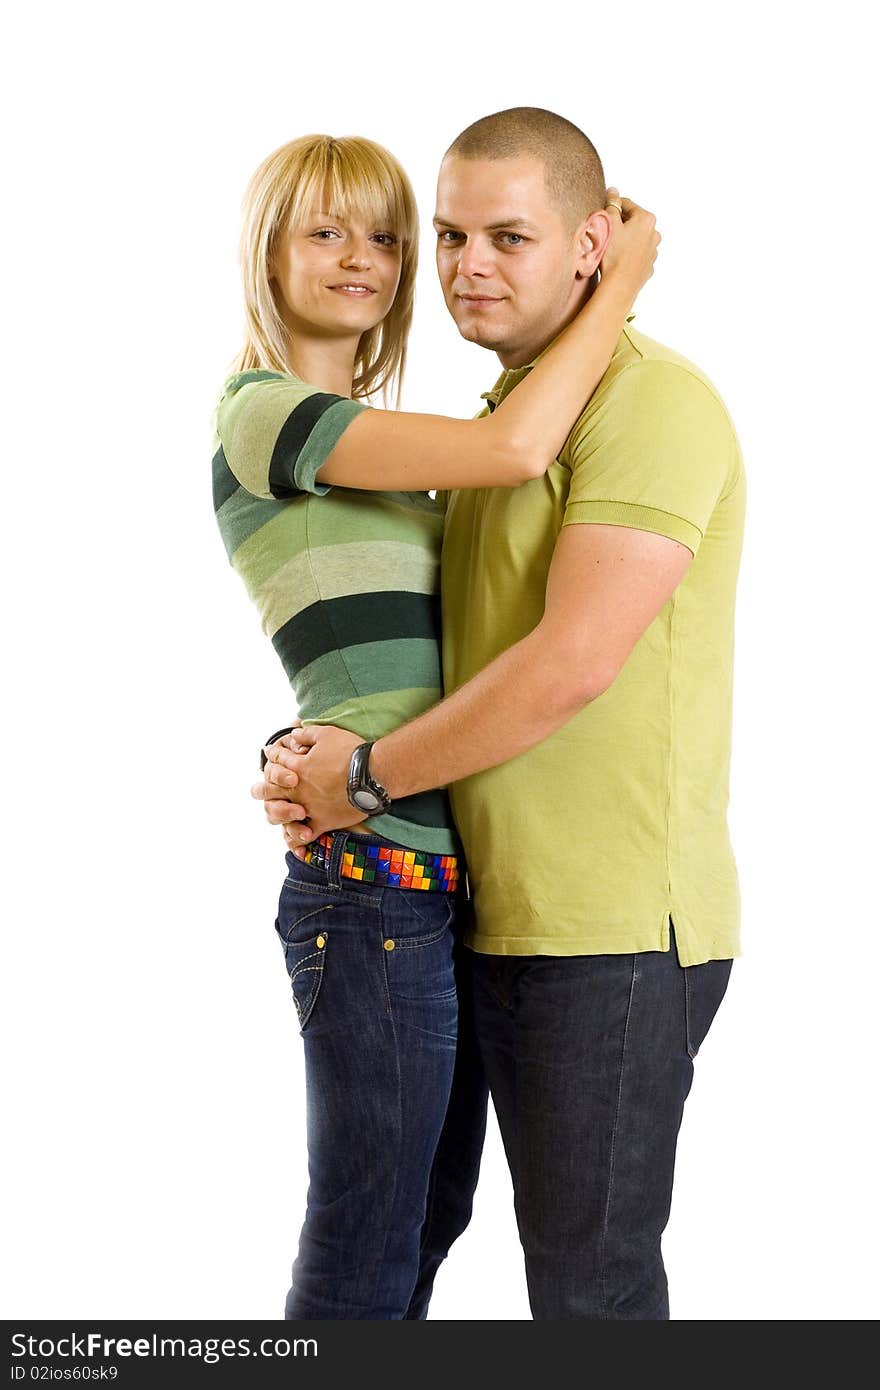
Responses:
[482,335]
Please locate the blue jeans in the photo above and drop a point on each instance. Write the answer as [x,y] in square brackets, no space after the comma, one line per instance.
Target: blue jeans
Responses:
[371,971]
[589,1060]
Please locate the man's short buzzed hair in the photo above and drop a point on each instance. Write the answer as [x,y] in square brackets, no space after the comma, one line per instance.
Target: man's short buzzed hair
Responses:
[573,170]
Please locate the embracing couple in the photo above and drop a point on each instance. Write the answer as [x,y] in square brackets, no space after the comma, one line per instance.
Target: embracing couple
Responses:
[526,888]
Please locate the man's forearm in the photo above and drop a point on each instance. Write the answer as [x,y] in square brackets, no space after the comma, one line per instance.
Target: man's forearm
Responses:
[523,696]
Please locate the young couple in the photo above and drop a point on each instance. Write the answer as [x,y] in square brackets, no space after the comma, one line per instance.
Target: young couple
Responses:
[590,524]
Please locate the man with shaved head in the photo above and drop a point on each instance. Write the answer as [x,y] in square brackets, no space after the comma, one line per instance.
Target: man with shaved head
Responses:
[588,622]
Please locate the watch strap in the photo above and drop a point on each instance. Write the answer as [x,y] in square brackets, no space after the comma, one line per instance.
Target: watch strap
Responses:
[359,778]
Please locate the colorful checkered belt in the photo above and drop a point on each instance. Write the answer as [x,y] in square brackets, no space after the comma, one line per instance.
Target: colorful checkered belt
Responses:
[387,867]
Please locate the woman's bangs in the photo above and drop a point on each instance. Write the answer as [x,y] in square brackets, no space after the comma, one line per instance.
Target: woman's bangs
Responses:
[360,188]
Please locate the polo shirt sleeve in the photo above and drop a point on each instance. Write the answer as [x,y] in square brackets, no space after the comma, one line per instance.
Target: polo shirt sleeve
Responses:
[655,452]
[276,431]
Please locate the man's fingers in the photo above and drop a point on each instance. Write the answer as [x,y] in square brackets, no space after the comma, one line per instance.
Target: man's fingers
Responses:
[277,754]
[279,775]
[303,834]
[302,738]
[268,791]
[261,791]
[296,836]
[284,813]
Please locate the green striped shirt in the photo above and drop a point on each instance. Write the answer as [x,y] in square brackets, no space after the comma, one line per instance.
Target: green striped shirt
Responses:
[346,582]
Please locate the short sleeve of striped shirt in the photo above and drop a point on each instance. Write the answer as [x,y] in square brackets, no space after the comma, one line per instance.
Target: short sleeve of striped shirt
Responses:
[275,432]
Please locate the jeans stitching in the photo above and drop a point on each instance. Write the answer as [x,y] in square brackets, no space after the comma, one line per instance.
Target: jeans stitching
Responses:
[415,905]
[328,907]
[300,886]
[381,1257]
[407,943]
[305,1011]
[302,965]
[602,1269]
[691,1050]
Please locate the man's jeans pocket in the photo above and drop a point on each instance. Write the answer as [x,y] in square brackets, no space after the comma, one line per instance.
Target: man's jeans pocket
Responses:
[704,988]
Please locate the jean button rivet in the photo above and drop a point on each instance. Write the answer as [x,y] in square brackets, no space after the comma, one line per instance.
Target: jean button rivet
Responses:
[389,945]
[321,942]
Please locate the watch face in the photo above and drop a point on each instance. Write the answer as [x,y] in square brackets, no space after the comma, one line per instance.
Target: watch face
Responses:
[366,801]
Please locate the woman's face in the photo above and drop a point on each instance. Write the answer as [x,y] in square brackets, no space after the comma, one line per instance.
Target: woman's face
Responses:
[336,277]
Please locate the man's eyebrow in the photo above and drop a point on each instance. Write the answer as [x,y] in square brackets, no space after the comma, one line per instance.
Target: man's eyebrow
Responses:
[506,222]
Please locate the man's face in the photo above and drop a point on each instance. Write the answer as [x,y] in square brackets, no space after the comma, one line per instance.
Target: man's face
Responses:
[508,261]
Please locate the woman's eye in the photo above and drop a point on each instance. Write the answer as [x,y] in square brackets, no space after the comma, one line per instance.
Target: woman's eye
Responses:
[325,233]
[385,238]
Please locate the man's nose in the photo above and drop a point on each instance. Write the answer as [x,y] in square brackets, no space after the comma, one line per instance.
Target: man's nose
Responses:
[474,259]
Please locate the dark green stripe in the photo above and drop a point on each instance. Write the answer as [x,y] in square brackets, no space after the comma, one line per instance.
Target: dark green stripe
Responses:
[291,438]
[426,808]
[335,624]
[225,481]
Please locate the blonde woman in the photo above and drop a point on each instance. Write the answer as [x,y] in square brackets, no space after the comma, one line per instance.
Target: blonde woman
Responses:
[323,505]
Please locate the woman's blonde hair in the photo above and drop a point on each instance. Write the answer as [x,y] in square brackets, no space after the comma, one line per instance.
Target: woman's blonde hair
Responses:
[354,178]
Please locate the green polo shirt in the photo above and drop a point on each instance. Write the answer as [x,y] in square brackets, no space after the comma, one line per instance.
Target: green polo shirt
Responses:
[591,840]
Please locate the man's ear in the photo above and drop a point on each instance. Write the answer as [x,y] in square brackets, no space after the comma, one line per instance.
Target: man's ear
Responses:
[591,238]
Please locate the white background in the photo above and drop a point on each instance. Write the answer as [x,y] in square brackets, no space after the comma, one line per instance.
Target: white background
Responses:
[154,1160]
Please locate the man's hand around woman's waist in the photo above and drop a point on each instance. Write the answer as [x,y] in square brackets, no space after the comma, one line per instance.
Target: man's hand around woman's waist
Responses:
[306,779]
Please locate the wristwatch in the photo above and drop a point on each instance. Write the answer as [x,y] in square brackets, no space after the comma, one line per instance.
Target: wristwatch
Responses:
[364,792]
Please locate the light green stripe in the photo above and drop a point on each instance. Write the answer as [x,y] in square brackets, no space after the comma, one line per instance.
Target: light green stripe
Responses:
[370,566]
[346,516]
[265,551]
[287,592]
[639,518]
[374,667]
[249,422]
[373,716]
[340,570]
[242,518]
[339,522]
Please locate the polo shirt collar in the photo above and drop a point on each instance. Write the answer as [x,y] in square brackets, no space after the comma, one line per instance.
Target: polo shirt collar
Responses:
[514,375]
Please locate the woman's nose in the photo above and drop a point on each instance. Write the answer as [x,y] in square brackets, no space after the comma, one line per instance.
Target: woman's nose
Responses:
[357,252]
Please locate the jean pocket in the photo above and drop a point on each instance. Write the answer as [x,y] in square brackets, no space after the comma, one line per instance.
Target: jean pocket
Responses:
[418,945]
[305,939]
[704,988]
[416,918]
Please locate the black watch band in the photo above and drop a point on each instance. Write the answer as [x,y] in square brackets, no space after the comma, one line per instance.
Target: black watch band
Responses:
[364,792]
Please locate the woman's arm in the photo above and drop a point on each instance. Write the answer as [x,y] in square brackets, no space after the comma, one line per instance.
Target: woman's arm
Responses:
[400,451]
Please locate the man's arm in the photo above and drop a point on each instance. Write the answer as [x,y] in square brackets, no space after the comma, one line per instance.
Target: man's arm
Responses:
[605,587]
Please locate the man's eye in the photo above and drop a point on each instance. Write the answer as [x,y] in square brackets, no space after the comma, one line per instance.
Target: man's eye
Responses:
[449,237]
[512,238]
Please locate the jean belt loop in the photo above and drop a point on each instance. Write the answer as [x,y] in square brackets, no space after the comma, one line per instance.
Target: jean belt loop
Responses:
[334,876]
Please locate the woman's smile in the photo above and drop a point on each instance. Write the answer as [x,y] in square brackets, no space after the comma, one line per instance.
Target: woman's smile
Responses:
[357,289]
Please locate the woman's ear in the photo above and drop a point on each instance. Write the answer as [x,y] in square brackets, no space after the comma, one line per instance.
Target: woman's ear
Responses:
[591,238]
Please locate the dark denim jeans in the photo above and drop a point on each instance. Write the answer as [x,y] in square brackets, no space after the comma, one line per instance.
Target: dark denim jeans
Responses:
[589,1060]
[372,976]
